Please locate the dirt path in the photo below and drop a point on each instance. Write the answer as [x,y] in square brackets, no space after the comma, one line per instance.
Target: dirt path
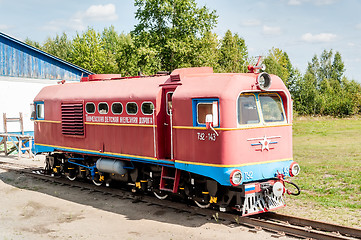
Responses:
[32,209]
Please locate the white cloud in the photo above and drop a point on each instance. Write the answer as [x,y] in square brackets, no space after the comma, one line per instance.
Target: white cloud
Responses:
[318,38]
[101,13]
[79,20]
[251,23]
[358,26]
[325,2]
[315,2]
[268,30]
[4,27]
[294,2]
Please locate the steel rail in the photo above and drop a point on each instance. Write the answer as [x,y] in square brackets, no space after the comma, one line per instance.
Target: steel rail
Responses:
[277,223]
[329,227]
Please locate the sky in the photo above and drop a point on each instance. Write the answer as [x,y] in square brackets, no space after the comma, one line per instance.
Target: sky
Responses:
[302,28]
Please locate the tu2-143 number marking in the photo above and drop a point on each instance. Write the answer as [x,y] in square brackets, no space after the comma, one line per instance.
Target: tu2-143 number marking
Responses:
[206,136]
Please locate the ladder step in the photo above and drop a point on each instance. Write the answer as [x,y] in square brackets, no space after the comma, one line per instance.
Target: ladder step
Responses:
[167,177]
[166,189]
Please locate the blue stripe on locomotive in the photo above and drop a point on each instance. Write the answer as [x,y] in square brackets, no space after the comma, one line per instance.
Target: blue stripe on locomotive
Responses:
[250,173]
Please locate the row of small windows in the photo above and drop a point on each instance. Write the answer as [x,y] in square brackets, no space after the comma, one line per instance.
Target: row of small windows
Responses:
[117,108]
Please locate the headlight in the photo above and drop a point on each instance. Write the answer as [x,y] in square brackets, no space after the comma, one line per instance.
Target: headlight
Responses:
[294,169]
[278,189]
[264,81]
[236,177]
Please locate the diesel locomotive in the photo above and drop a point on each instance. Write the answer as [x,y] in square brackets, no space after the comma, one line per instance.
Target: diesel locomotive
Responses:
[222,140]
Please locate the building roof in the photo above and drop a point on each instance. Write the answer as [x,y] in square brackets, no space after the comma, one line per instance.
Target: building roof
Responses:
[19,59]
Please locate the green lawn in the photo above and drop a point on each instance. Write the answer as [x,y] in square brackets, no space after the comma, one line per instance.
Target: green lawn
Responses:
[329,153]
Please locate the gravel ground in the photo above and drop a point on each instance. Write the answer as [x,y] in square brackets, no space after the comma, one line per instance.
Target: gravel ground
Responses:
[32,209]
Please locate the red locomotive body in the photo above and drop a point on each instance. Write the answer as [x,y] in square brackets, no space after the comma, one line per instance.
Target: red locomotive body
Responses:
[219,139]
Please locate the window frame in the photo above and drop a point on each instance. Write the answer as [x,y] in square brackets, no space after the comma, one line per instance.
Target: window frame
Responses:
[126,108]
[166,101]
[120,105]
[37,104]
[141,108]
[95,108]
[259,110]
[99,108]
[283,109]
[195,102]
[257,106]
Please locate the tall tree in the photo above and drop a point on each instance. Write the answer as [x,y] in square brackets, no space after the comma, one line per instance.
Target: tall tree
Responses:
[32,43]
[278,63]
[233,53]
[60,46]
[172,28]
[110,43]
[87,51]
[206,52]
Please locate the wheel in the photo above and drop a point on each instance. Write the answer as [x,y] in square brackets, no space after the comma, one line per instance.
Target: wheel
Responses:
[71,178]
[97,183]
[160,195]
[202,205]
[98,180]
[72,175]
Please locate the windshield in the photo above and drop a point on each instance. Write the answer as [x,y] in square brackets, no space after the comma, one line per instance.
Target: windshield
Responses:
[247,109]
[271,108]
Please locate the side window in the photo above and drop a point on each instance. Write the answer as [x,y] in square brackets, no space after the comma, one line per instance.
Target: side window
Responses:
[90,108]
[202,108]
[132,108]
[117,108]
[169,102]
[147,108]
[247,109]
[40,111]
[103,108]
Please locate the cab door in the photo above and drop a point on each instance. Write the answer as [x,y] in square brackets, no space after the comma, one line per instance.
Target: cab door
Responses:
[164,123]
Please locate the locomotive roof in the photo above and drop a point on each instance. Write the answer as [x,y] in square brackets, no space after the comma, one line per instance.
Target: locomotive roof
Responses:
[194,82]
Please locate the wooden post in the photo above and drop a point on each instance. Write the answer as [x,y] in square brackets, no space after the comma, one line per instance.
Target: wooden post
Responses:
[21,123]
[5,137]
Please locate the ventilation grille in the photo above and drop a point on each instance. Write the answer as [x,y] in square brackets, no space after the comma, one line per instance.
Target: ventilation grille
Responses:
[72,119]
[174,78]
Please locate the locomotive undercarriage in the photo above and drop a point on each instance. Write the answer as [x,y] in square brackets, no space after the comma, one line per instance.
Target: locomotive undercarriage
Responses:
[147,178]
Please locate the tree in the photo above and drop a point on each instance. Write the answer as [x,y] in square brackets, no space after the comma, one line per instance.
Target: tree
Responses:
[171,29]
[88,52]
[233,53]
[206,52]
[32,43]
[60,46]
[110,41]
[277,62]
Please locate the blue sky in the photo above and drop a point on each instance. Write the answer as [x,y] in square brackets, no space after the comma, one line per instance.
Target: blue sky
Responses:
[302,28]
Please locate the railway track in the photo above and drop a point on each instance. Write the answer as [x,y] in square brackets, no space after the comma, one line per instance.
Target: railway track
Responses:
[278,224]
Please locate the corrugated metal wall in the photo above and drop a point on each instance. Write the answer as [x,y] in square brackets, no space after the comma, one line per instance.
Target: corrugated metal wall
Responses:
[20,60]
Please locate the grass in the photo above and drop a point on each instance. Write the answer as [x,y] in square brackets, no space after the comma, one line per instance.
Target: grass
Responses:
[329,153]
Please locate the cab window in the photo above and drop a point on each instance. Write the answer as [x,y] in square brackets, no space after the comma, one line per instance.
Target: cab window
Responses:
[202,110]
[203,107]
[272,109]
[247,109]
